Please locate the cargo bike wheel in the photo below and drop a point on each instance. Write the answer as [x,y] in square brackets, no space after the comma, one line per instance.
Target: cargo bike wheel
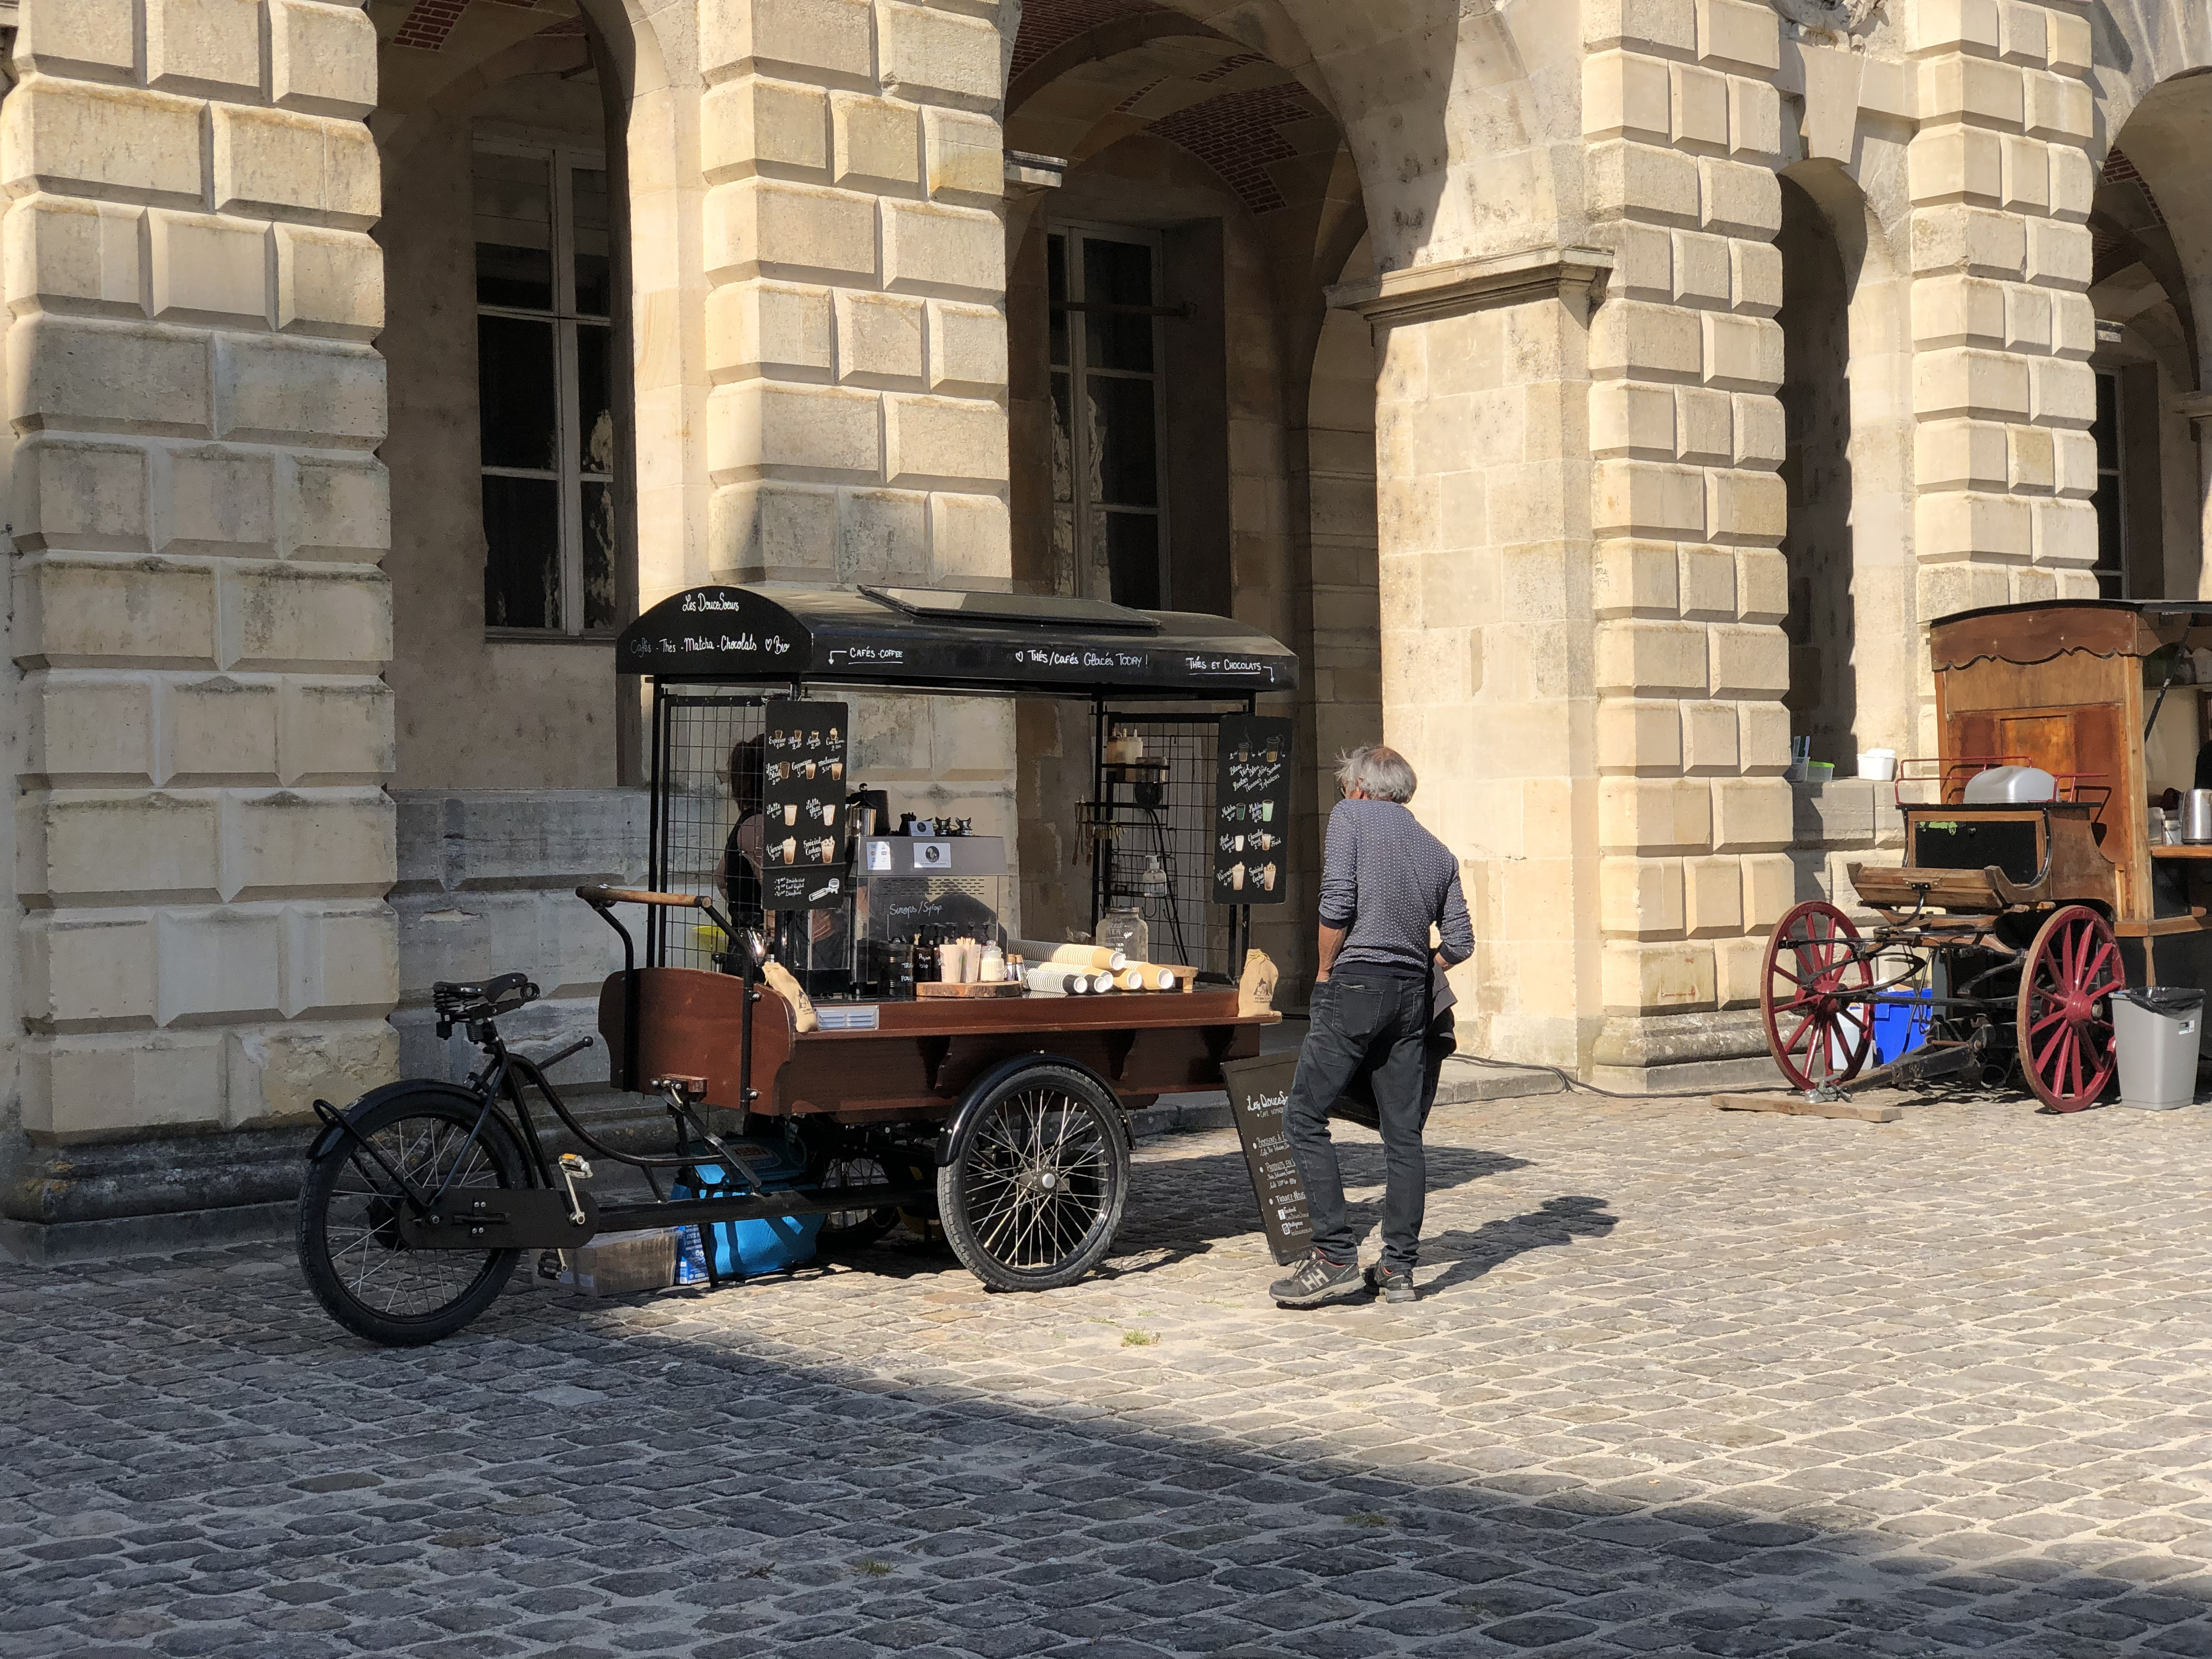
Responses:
[1038,1177]
[1814,965]
[2064,1013]
[350,1249]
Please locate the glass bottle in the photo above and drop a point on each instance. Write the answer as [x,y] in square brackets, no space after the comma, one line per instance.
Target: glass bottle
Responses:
[1124,929]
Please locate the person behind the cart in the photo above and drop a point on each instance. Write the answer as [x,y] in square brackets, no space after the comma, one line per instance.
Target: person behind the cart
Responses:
[1386,882]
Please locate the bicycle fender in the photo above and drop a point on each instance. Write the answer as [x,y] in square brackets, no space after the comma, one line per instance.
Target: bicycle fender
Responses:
[956,1127]
[328,1141]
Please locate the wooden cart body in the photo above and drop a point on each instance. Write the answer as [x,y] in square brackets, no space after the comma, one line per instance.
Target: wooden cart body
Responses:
[922,1057]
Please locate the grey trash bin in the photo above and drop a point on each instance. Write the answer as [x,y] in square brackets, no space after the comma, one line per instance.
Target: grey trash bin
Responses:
[2155,1031]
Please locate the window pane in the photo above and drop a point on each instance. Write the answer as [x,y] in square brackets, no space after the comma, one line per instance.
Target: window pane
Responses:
[1063,441]
[1125,454]
[517,403]
[1118,274]
[2110,546]
[598,555]
[514,231]
[1132,559]
[2106,431]
[522,564]
[595,280]
[595,398]
[1056,256]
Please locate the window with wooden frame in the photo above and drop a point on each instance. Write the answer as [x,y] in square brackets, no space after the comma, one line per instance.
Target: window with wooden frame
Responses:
[1108,506]
[2110,499]
[544,273]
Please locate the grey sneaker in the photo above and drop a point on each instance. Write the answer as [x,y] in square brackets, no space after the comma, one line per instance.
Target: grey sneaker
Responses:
[1317,1280]
[1390,1286]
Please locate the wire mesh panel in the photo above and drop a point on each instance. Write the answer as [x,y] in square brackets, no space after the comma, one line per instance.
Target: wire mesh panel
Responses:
[1160,808]
[695,806]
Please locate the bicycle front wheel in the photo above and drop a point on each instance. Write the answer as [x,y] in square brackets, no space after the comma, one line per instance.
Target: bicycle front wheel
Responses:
[359,1269]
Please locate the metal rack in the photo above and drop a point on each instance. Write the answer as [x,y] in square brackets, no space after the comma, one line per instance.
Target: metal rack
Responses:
[1162,806]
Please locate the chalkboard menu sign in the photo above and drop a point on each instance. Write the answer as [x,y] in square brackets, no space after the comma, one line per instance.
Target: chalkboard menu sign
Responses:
[1252,810]
[803,844]
[1258,1091]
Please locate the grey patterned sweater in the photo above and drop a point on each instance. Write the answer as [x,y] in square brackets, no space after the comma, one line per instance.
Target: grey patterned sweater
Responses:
[1388,880]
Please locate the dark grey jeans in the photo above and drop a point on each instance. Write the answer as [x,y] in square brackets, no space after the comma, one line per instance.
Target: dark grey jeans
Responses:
[1369,1030]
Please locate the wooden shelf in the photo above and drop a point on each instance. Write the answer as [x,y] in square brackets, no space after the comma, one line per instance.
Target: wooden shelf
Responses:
[2161,850]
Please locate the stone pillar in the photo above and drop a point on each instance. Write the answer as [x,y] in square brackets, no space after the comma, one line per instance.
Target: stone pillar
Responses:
[1483,511]
[1683,123]
[856,331]
[2001,322]
[203,844]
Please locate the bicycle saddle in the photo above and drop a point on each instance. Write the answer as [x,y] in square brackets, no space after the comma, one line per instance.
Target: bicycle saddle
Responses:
[457,1001]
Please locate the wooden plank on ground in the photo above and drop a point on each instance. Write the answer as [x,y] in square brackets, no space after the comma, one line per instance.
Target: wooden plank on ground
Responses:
[1798,1106]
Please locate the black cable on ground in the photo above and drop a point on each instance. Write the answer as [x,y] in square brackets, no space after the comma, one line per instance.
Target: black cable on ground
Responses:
[1576,1086]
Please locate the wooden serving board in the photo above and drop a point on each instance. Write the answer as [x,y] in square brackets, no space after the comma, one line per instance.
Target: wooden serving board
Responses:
[1011,987]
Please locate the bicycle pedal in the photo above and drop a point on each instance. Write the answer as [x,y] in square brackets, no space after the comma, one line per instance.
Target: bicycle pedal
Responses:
[574,1165]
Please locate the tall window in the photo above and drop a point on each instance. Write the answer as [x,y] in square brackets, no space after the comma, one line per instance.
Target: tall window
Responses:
[545,385]
[1110,533]
[2111,501]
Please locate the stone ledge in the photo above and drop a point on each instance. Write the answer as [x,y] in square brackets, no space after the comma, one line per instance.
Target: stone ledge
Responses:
[53,1244]
[1425,293]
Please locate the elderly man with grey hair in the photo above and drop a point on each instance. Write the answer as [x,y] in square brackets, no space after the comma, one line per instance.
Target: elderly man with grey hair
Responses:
[1386,882]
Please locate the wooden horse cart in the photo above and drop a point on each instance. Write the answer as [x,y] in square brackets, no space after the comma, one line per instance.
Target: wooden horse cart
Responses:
[2011,922]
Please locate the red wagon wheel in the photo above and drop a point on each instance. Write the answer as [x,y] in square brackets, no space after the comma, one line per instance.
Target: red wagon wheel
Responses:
[1814,965]
[2066,1012]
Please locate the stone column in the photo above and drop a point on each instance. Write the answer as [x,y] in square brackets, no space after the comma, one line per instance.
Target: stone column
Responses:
[856,332]
[204,845]
[2001,322]
[1683,123]
[1483,511]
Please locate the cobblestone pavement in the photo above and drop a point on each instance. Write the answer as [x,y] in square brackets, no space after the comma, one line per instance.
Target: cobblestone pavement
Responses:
[1679,1382]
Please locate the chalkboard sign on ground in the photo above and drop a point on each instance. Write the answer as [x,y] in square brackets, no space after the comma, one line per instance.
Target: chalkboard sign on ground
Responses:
[1252,810]
[1258,1091]
[804,846]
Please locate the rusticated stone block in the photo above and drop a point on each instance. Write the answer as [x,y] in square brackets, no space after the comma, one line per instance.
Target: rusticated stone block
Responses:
[274,1074]
[69,494]
[208,47]
[308,618]
[334,508]
[968,350]
[67,254]
[951,439]
[88,730]
[939,56]
[879,339]
[334,732]
[209,269]
[81,612]
[118,847]
[100,1086]
[219,731]
[219,964]
[970,542]
[759,425]
[215,501]
[71,138]
[306,842]
[328,281]
[930,248]
[291,391]
[1640,978]
[89,375]
[287,166]
[826,40]
[765,227]
[322,59]
[88,39]
[752,125]
[88,969]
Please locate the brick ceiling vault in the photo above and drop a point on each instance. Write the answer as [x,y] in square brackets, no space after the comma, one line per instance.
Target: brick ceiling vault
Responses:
[1047,24]
[429,21]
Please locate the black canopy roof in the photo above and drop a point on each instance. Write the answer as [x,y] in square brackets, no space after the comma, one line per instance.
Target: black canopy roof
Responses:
[949,641]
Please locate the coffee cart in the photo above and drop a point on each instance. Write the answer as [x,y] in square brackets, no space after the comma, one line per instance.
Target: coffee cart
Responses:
[805,1076]
[2007,920]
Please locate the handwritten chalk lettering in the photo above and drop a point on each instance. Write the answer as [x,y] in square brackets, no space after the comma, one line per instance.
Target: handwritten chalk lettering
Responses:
[697,601]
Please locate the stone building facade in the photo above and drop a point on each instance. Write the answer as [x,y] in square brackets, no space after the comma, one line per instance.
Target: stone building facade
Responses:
[1597,393]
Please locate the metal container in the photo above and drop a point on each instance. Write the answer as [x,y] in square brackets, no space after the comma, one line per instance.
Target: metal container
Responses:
[2197,816]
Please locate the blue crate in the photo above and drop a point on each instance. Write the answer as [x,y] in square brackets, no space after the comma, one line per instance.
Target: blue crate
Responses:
[1899,1030]
[745,1250]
